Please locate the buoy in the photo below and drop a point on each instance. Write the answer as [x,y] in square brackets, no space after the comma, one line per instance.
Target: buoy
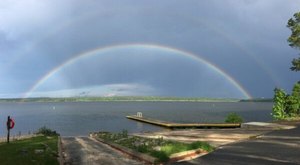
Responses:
[11,123]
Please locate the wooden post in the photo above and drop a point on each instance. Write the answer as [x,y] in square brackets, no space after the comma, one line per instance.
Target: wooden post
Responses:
[139,114]
[8,128]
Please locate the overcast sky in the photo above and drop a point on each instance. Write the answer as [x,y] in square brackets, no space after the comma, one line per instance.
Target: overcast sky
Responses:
[239,47]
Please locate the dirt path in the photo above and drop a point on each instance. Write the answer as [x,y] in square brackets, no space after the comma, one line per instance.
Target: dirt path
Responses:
[86,150]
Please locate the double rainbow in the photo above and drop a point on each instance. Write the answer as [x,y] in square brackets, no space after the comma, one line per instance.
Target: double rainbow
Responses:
[98,50]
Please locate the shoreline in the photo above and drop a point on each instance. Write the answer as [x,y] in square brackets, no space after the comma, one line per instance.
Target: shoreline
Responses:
[17,137]
[130,99]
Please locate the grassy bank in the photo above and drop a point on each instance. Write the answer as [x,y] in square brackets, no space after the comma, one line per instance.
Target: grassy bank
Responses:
[35,150]
[295,118]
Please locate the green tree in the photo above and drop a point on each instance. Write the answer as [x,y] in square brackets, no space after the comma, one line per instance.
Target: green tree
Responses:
[291,105]
[294,39]
[296,90]
[296,94]
[293,101]
[279,107]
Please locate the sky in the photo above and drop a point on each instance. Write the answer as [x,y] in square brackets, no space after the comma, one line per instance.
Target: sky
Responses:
[191,48]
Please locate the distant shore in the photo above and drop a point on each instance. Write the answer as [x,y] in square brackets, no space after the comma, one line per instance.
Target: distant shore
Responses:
[130,98]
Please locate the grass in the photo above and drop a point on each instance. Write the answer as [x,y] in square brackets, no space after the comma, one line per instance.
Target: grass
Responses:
[158,148]
[176,147]
[293,118]
[23,152]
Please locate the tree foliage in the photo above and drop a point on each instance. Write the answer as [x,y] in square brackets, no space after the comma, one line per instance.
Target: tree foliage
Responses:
[286,105]
[279,104]
[293,100]
[289,105]
[296,90]
[294,39]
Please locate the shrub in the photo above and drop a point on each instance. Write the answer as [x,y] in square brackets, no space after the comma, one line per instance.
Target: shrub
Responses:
[233,118]
[124,133]
[162,156]
[142,148]
[46,131]
[203,145]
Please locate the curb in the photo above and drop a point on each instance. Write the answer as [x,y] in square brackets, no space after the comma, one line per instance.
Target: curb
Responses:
[187,155]
[265,125]
[60,152]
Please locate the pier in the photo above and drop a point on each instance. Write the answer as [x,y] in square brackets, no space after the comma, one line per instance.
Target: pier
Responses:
[183,125]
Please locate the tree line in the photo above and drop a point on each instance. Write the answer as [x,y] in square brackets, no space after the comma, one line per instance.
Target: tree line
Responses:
[288,105]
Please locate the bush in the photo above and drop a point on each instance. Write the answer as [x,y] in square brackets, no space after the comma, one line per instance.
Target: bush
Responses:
[203,145]
[162,156]
[124,133]
[233,118]
[142,148]
[46,131]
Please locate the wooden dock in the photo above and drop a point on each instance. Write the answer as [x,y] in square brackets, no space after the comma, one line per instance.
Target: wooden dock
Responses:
[183,125]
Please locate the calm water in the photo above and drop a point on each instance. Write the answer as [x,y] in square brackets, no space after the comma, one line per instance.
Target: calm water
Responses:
[81,118]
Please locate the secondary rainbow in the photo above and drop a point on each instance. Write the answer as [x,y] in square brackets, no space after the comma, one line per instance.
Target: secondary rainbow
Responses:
[66,24]
[98,50]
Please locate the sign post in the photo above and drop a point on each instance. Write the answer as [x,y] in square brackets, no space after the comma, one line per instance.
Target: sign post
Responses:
[9,124]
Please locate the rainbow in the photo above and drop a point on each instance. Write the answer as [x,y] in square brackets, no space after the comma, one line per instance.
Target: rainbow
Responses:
[254,57]
[196,20]
[93,52]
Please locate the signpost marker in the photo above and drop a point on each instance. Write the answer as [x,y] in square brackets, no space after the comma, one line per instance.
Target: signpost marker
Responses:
[10,125]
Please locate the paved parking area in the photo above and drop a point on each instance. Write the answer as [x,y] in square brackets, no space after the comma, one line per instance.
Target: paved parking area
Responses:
[276,147]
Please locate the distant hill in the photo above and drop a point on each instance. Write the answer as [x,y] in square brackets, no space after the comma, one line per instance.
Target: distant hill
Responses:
[132,98]
[257,100]
[117,98]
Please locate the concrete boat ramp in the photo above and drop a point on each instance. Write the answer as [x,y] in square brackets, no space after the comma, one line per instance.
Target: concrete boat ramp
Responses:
[87,150]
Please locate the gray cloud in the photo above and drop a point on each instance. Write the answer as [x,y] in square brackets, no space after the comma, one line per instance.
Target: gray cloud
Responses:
[247,39]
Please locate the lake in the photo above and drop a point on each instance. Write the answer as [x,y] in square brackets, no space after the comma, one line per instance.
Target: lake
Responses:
[80,118]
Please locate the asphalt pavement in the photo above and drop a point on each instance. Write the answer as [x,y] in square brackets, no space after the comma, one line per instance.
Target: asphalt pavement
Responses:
[276,147]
